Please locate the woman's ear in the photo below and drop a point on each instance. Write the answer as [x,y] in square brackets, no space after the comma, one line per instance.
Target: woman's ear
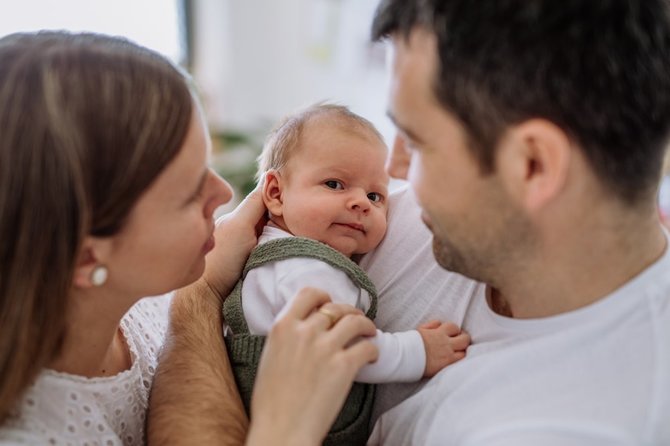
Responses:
[272,193]
[91,266]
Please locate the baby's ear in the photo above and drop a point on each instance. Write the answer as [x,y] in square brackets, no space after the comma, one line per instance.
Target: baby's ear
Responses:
[272,192]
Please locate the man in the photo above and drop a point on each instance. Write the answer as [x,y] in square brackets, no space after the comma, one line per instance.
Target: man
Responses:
[533,135]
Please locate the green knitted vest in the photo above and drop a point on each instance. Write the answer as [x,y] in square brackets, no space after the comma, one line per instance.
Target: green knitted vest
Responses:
[352,424]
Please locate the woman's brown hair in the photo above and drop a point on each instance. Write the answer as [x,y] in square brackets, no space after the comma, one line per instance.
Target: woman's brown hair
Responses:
[87,122]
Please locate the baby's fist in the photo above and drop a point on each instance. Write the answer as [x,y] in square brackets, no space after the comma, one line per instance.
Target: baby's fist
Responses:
[445,344]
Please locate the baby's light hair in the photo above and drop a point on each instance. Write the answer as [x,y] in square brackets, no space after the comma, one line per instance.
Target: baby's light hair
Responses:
[284,138]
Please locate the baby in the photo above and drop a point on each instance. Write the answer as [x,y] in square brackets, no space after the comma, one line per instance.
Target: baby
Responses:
[326,192]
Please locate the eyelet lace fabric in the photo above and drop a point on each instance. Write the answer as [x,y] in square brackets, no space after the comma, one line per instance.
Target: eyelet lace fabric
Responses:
[64,409]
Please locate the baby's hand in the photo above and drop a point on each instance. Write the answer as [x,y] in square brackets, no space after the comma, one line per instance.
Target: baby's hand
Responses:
[445,344]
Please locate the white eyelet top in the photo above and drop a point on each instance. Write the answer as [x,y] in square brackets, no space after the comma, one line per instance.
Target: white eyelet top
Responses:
[64,409]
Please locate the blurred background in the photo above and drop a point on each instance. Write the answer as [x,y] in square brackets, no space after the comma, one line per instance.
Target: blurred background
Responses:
[253,61]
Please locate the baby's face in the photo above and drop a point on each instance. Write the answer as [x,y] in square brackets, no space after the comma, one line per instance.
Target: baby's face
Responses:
[335,188]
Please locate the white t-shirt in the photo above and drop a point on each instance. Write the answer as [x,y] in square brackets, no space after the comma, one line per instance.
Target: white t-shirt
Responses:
[412,287]
[599,375]
[63,409]
[269,289]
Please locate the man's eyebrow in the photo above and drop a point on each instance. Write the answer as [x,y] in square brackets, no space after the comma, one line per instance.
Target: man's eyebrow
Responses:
[407,132]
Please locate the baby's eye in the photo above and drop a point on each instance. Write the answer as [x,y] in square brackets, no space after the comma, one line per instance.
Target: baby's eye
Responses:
[375,197]
[334,184]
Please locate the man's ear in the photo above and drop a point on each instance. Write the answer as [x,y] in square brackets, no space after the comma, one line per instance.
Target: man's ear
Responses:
[533,160]
[272,193]
[92,255]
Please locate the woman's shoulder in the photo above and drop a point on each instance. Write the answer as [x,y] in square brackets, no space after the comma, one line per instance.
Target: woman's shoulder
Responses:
[60,407]
[146,322]
[14,436]
[144,327]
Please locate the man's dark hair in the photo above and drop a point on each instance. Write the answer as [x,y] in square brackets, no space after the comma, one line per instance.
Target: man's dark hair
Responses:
[598,69]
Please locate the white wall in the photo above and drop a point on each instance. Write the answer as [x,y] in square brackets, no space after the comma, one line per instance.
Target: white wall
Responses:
[257,60]
[152,23]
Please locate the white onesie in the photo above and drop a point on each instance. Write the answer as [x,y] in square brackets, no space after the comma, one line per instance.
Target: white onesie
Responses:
[269,289]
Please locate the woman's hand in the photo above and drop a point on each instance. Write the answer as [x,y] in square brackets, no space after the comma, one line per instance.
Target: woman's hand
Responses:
[311,357]
[236,234]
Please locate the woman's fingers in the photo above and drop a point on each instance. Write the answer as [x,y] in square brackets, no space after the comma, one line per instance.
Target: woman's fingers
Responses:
[350,328]
[327,315]
[331,316]
[306,302]
[307,367]
[362,353]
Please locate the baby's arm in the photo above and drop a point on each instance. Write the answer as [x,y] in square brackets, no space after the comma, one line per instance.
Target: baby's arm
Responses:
[404,356]
[411,355]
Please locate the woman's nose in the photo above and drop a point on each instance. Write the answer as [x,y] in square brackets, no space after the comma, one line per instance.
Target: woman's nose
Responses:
[220,193]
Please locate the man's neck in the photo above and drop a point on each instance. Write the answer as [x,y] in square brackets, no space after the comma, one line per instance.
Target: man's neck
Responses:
[577,270]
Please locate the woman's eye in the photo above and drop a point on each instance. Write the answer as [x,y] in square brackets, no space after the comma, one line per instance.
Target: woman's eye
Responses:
[375,197]
[332,184]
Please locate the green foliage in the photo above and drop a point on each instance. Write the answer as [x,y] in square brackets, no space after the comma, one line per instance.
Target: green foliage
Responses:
[234,157]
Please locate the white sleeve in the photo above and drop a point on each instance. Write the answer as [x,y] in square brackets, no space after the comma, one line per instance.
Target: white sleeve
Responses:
[292,275]
[413,288]
[402,358]
[269,290]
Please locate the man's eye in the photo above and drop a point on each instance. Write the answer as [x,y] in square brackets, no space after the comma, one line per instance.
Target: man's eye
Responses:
[375,197]
[332,184]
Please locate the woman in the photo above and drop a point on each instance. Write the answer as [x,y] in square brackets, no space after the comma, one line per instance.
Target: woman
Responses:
[105,198]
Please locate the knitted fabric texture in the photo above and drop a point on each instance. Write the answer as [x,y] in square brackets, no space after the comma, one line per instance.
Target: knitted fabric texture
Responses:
[244,349]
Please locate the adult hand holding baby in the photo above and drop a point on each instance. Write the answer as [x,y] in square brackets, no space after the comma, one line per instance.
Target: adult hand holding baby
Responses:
[235,235]
[314,392]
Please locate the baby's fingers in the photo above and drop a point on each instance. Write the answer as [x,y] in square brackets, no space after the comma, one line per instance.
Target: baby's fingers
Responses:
[450,329]
[461,342]
[431,324]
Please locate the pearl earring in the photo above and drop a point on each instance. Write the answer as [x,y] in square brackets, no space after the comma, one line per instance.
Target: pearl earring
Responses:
[99,275]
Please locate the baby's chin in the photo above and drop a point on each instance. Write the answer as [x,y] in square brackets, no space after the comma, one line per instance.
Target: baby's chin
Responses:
[347,248]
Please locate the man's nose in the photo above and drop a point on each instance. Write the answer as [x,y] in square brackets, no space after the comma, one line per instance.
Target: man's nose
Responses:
[398,161]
